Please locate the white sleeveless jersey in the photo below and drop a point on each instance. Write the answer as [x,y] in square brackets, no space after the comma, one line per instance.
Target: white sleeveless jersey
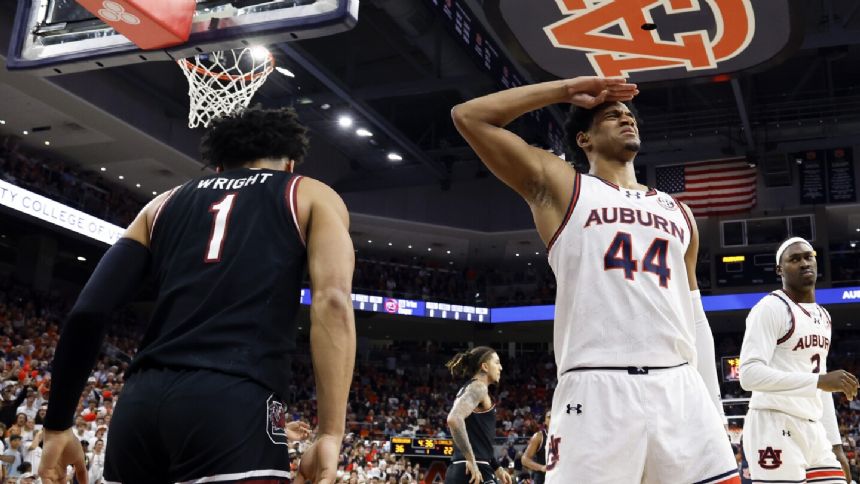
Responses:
[802,348]
[623,298]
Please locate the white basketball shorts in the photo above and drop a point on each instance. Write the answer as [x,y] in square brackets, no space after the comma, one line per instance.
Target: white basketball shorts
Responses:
[783,448]
[616,427]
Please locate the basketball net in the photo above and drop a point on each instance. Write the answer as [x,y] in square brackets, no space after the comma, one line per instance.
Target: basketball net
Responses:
[223,82]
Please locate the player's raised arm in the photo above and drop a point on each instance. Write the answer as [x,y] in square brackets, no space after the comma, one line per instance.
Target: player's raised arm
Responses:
[705,355]
[331,259]
[524,168]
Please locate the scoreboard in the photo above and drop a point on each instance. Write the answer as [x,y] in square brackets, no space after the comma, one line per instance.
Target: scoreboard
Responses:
[422,447]
[731,368]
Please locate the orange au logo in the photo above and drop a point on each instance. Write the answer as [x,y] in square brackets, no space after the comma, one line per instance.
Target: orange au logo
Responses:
[646,40]
[638,49]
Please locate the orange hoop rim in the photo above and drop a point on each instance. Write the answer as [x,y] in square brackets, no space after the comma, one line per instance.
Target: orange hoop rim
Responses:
[223,76]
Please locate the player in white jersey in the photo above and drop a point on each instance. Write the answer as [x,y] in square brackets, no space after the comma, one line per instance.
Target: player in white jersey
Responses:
[630,332]
[790,431]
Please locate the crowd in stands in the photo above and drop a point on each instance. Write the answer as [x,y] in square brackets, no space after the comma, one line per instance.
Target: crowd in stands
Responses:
[399,389]
[83,190]
[431,280]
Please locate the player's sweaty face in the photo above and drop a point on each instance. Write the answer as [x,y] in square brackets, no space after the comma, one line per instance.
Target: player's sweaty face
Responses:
[614,127]
[799,265]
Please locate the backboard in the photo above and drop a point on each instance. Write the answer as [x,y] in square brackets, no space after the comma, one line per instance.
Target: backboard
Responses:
[59,36]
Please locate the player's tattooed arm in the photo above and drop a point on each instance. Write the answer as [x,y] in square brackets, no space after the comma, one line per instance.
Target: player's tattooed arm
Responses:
[464,405]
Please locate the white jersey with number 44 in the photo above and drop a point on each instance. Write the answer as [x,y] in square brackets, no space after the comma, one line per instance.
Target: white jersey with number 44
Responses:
[623,297]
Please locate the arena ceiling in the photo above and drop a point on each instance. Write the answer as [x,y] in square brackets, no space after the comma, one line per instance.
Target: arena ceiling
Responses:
[398,73]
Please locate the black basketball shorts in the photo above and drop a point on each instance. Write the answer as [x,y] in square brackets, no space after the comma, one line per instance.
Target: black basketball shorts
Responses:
[456,473]
[189,426]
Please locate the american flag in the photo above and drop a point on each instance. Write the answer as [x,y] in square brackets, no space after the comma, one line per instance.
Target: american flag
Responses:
[711,187]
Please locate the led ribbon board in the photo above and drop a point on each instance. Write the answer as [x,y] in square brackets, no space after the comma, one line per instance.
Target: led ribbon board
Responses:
[53,212]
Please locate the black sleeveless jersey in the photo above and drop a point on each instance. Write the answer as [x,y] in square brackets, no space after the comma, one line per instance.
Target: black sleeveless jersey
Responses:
[228,260]
[540,455]
[481,430]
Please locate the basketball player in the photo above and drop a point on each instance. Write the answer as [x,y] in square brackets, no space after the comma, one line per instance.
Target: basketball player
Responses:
[202,399]
[630,332]
[790,431]
[534,457]
[472,419]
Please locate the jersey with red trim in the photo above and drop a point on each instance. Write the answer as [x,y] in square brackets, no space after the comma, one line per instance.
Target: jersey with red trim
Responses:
[623,298]
[792,340]
[228,261]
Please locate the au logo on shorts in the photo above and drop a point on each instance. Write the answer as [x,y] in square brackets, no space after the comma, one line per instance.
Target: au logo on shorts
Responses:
[769,458]
[276,420]
[647,40]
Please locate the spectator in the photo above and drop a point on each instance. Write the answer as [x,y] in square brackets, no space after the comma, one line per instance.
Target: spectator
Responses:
[12,457]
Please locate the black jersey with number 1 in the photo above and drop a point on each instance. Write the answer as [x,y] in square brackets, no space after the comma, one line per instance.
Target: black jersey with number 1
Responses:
[228,259]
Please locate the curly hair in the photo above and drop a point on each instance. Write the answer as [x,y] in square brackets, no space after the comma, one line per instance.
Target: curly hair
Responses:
[253,134]
[467,363]
[580,120]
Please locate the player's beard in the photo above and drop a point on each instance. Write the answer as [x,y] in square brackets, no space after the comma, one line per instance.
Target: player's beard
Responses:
[632,145]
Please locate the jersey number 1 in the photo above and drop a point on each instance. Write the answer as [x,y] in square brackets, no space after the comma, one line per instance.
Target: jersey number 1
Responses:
[619,255]
[221,209]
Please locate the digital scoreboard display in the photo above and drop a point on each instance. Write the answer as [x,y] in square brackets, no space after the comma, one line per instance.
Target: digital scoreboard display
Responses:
[422,447]
[731,366]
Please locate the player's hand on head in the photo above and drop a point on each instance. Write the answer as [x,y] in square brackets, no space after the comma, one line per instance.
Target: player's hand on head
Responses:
[503,476]
[298,430]
[589,91]
[839,381]
[61,449]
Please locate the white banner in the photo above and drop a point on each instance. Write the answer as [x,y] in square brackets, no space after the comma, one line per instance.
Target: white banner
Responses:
[50,211]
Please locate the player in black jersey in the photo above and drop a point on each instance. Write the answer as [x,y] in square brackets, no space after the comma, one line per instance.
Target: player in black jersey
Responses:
[534,457]
[472,419]
[227,251]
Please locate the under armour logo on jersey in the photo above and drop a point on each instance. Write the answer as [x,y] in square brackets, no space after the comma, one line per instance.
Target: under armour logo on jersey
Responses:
[633,194]
[772,455]
[571,408]
[115,12]
[786,433]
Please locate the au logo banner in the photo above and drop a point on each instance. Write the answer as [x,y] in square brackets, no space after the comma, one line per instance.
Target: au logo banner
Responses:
[645,40]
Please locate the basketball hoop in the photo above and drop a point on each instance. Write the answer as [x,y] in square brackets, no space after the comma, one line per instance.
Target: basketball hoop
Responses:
[223,82]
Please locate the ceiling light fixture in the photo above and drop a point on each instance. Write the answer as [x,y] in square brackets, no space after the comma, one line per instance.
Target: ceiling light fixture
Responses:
[285,72]
[344,121]
[394,157]
[260,54]
[82,258]
[121,177]
[103,169]
[47,143]
[363,133]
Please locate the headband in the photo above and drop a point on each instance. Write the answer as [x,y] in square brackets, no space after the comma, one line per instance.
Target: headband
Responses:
[787,243]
